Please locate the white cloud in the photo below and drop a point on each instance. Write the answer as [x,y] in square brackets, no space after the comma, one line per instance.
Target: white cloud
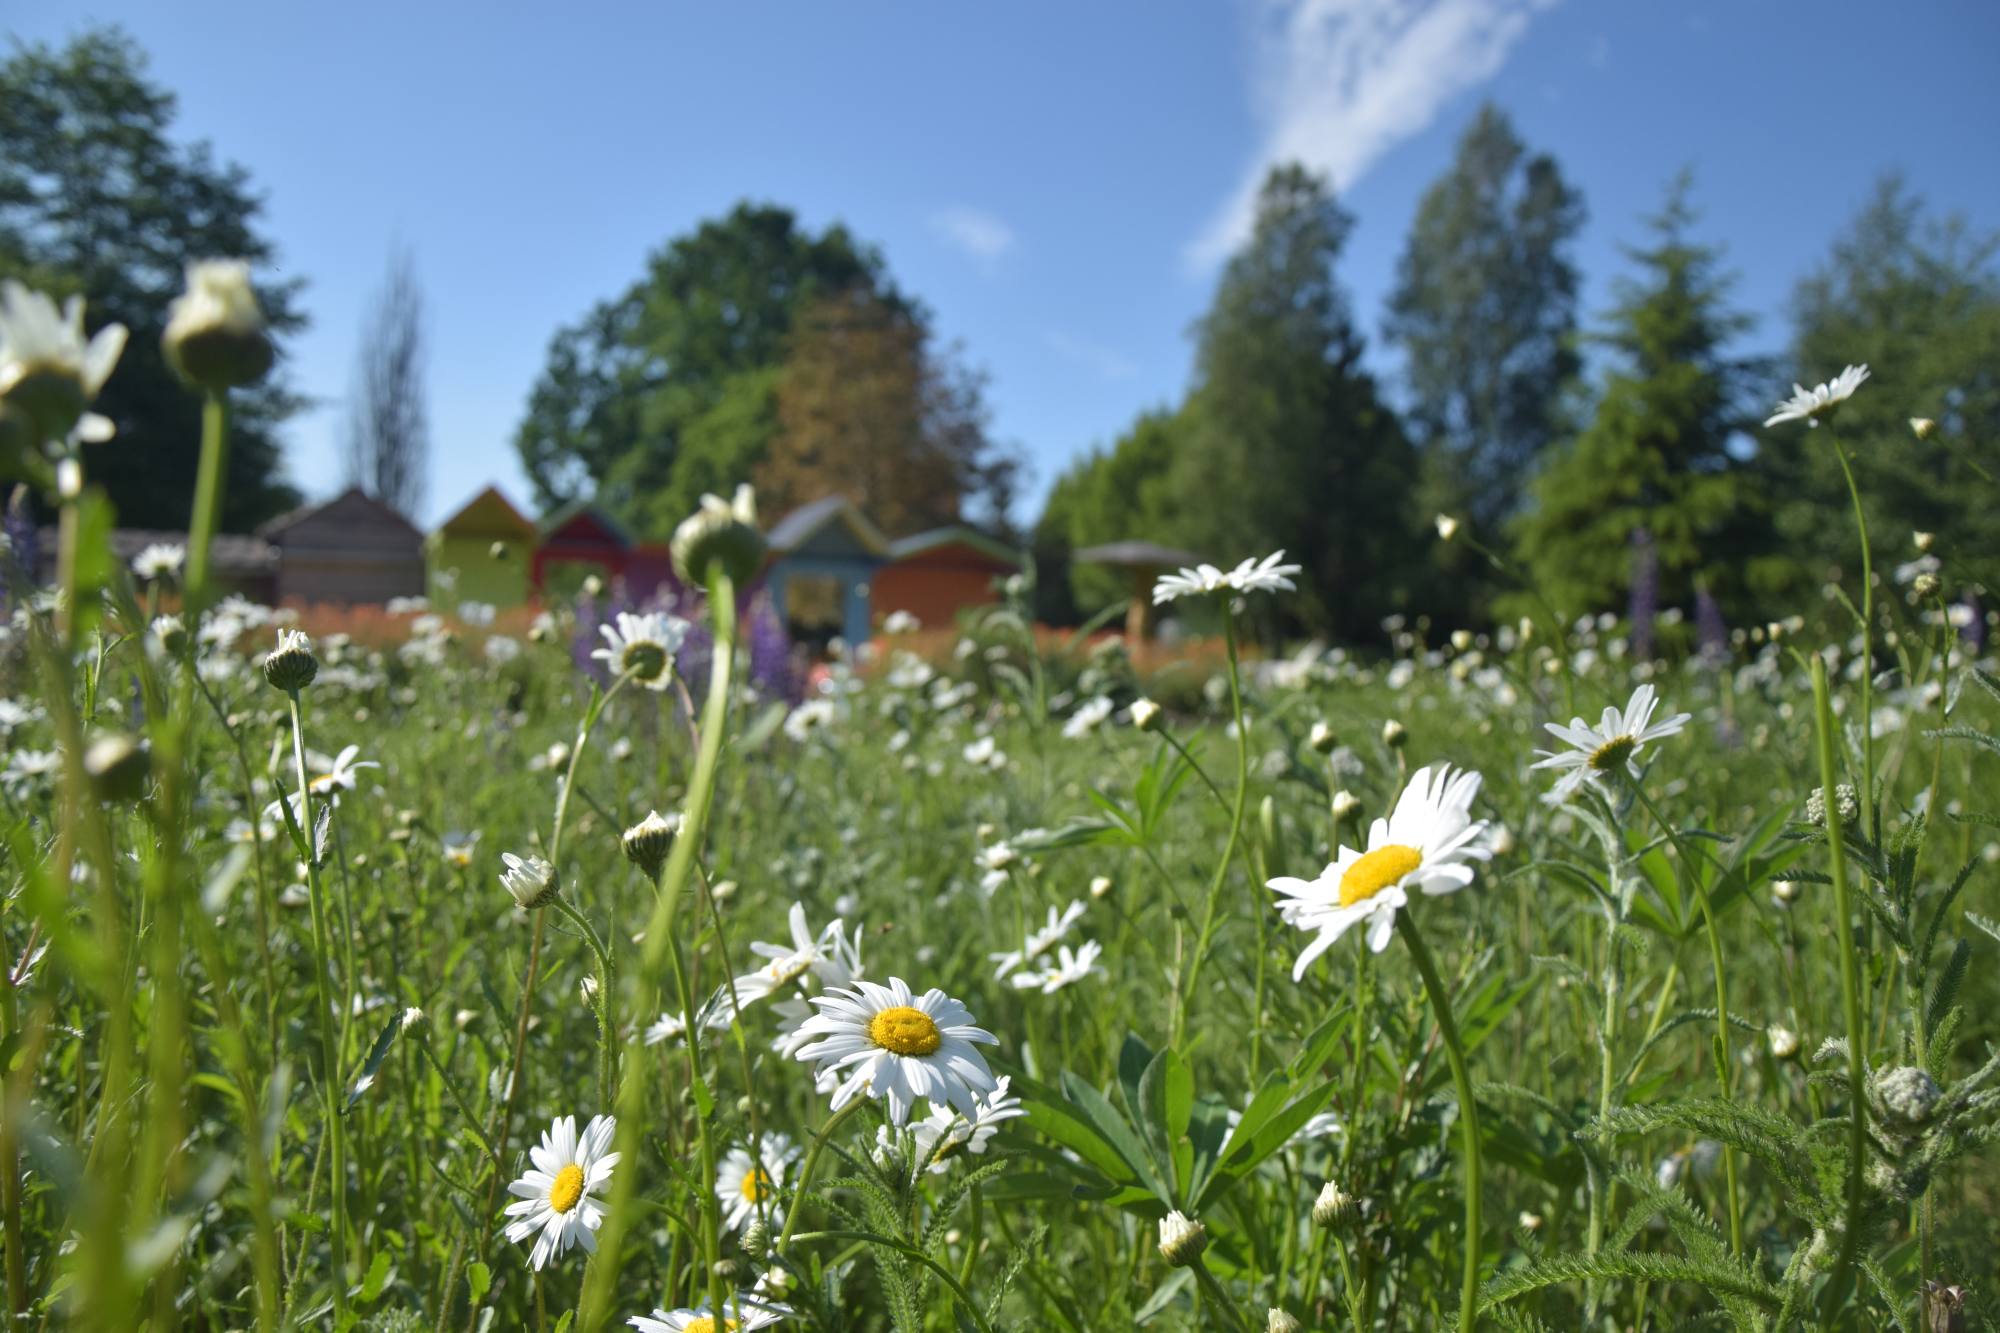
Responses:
[980,234]
[1105,362]
[1345,81]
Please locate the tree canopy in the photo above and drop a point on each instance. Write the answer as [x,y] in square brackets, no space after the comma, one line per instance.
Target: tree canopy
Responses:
[98,199]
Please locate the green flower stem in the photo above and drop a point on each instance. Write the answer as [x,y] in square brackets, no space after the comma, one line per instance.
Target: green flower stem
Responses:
[1185,996]
[806,1173]
[208,484]
[1723,1071]
[1468,1110]
[600,1003]
[323,982]
[10,1153]
[1871,821]
[1217,1294]
[602,1279]
[1850,986]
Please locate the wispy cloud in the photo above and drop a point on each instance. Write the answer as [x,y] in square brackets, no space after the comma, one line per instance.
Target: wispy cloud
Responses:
[978,233]
[1104,362]
[1344,81]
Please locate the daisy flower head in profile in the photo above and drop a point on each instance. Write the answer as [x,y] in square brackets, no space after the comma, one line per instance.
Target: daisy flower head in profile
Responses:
[1427,844]
[748,1186]
[1809,405]
[888,1042]
[339,773]
[642,647]
[943,1136]
[1253,575]
[553,1199]
[1068,967]
[827,956]
[738,1316]
[1597,753]
[49,371]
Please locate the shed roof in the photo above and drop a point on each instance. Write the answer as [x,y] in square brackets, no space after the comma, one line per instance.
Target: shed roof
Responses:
[229,553]
[1140,555]
[795,529]
[904,548]
[350,503]
[489,513]
[564,516]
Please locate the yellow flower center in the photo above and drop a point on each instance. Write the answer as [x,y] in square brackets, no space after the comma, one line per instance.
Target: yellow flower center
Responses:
[905,1031]
[1612,753]
[754,1181]
[705,1323]
[1376,871]
[568,1189]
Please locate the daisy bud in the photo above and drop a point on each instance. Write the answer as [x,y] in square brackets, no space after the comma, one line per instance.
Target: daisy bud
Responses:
[118,767]
[1447,527]
[1784,1042]
[291,665]
[1925,586]
[215,331]
[1461,639]
[1321,737]
[1785,891]
[722,535]
[1280,1322]
[1334,1207]
[756,1239]
[1923,541]
[647,842]
[1500,840]
[1182,1239]
[1146,715]
[1393,734]
[1905,1098]
[1100,886]
[411,1017]
[1922,427]
[531,882]
[1530,1221]
[1345,805]
[723,890]
[593,586]
[499,551]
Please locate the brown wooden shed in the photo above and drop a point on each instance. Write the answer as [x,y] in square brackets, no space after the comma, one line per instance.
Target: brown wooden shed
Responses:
[349,550]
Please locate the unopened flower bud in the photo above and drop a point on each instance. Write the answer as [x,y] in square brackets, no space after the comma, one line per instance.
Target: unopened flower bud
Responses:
[215,331]
[1100,886]
[1182,1239]
[118,767]
[1925,586]
[1922,427]
[1784,1042]
[1345,805]
[1461,639]
[721,535]
[1923,541]
[1280,1322]
[1529,1221]
[1321,737]
[291,665]
[1905,1097]
[1334,1207]
[756,1240]
[1393,734]
[499,551]
[1146,715]
[1785,891]
[648,841]
[531,881]
[1447,527]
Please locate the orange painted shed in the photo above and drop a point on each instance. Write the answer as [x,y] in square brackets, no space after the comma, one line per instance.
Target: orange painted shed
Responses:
[934,575]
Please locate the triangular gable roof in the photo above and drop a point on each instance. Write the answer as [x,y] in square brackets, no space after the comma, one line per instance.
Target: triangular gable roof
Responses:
[490,511]
[957,535]
[798,527]
[352,499]
[557,519]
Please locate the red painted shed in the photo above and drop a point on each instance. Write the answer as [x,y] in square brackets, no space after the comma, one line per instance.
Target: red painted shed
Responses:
[578,540]
[934,575]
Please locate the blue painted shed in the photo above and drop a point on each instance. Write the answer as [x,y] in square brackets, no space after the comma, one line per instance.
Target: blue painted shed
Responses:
[831,539]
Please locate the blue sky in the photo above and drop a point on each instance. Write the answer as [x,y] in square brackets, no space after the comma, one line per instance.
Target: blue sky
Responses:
[1053,179]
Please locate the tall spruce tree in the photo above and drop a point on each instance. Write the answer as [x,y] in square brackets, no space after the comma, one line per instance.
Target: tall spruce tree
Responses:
[1289,443]
[1484,312]
[1654,468]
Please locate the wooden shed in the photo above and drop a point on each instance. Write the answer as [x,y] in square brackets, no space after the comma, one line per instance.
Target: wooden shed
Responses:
[578,540]
[481,553]
[934,575]
[350,550]
[826,542]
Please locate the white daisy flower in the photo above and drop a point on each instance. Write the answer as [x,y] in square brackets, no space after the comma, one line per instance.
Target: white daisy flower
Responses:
[159,560]
[1598,752]
[1192,582]
[809,717]
[944,1135]
[884,1041]
[743,1185]
[339,773]
[1808,405]
[642,646]
[45,359]
[1266,575]
[738,1316]
[827,956]
[554,1197]
[901,622]
[1087,718]
[1038,942]
[1425,844]
[1069,967]
[985,752]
